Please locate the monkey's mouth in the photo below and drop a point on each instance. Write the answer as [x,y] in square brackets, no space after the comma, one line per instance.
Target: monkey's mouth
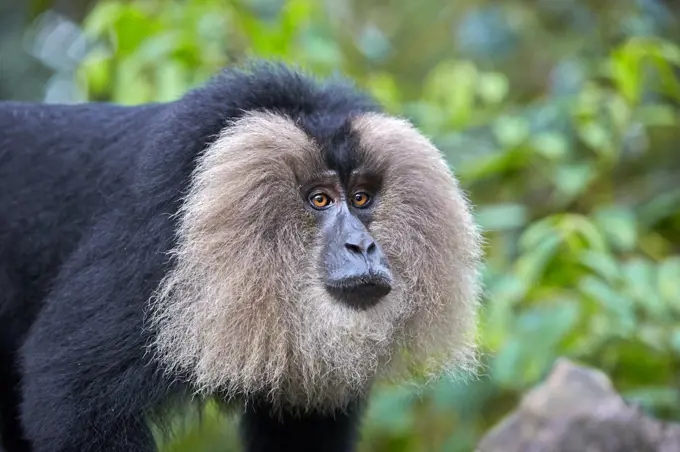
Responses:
[360,292]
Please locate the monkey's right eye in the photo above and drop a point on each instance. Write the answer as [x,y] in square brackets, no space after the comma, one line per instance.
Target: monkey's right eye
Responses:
[320,200]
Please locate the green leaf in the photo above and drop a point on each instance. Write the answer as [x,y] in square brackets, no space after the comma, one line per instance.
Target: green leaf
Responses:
[500,217]
[653,336]
[640,277]
[465,397]
[618,307]
[652,397]
[492,87]
[604,264]
[572,180]
[675,340]
[390,409]
[451,85]
[619,225]
[537,232]
[505,368]
[510,131]
[531,265]
[619,111]
[497,163]
[668,281]
[540,329]
[170,82]
[103,16]
[656,115]
[498,317]
[660,207]
[598,138]
[549,322]
[384,87]
[131,87]
[132,28]
[669,79]
[552,145]
[572,226]
[373,43]
[625,63]
[157,48]
[95,72]
[508,288]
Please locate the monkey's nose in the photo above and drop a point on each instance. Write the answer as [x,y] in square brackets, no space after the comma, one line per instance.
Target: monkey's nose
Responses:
[361,244]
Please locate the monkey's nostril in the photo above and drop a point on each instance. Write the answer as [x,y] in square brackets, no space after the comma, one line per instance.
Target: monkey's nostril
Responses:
[371,248]
[363,246]
[354,248]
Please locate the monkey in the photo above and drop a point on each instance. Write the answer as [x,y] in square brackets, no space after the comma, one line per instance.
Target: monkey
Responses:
[272,240]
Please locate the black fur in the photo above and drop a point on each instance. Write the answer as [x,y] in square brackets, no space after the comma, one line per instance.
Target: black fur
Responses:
[86,198]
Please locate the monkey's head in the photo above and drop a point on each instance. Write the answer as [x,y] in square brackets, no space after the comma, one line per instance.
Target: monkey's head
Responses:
[316,254]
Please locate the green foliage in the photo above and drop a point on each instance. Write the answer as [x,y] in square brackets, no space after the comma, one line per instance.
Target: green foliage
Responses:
[575,184]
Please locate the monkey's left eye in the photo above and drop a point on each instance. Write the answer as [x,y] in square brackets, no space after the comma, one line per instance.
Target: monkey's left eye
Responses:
[360,199]
[320,200]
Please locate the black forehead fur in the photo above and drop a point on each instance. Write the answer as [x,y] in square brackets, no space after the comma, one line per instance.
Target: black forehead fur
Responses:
[321,108]
[337,141]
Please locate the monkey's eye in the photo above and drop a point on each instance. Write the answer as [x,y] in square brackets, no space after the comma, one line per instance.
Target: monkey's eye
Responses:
[360,199]
[320,200]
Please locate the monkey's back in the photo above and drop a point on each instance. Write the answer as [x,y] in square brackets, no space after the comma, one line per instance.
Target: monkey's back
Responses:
[61,168]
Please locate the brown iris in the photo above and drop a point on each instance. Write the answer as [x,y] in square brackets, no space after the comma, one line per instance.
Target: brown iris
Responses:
[360,199]
[320,200]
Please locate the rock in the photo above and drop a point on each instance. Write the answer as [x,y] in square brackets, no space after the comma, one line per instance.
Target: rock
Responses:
[577,410]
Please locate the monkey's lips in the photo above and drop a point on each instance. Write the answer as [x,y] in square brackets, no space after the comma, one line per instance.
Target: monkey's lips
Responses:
[360,292]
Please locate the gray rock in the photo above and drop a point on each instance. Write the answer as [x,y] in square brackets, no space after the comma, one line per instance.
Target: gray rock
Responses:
[577,409]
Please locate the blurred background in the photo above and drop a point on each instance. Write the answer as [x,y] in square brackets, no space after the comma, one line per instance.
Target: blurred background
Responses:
[559,117]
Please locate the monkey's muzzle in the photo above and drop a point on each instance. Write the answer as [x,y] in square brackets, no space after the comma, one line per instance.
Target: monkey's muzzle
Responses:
[359,275]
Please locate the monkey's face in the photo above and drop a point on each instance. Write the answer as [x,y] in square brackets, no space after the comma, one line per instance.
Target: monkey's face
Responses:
[306,268]
[355,269]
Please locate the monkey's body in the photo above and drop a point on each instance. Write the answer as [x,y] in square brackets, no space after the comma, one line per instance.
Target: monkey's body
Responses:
[58,273]
[90,207]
